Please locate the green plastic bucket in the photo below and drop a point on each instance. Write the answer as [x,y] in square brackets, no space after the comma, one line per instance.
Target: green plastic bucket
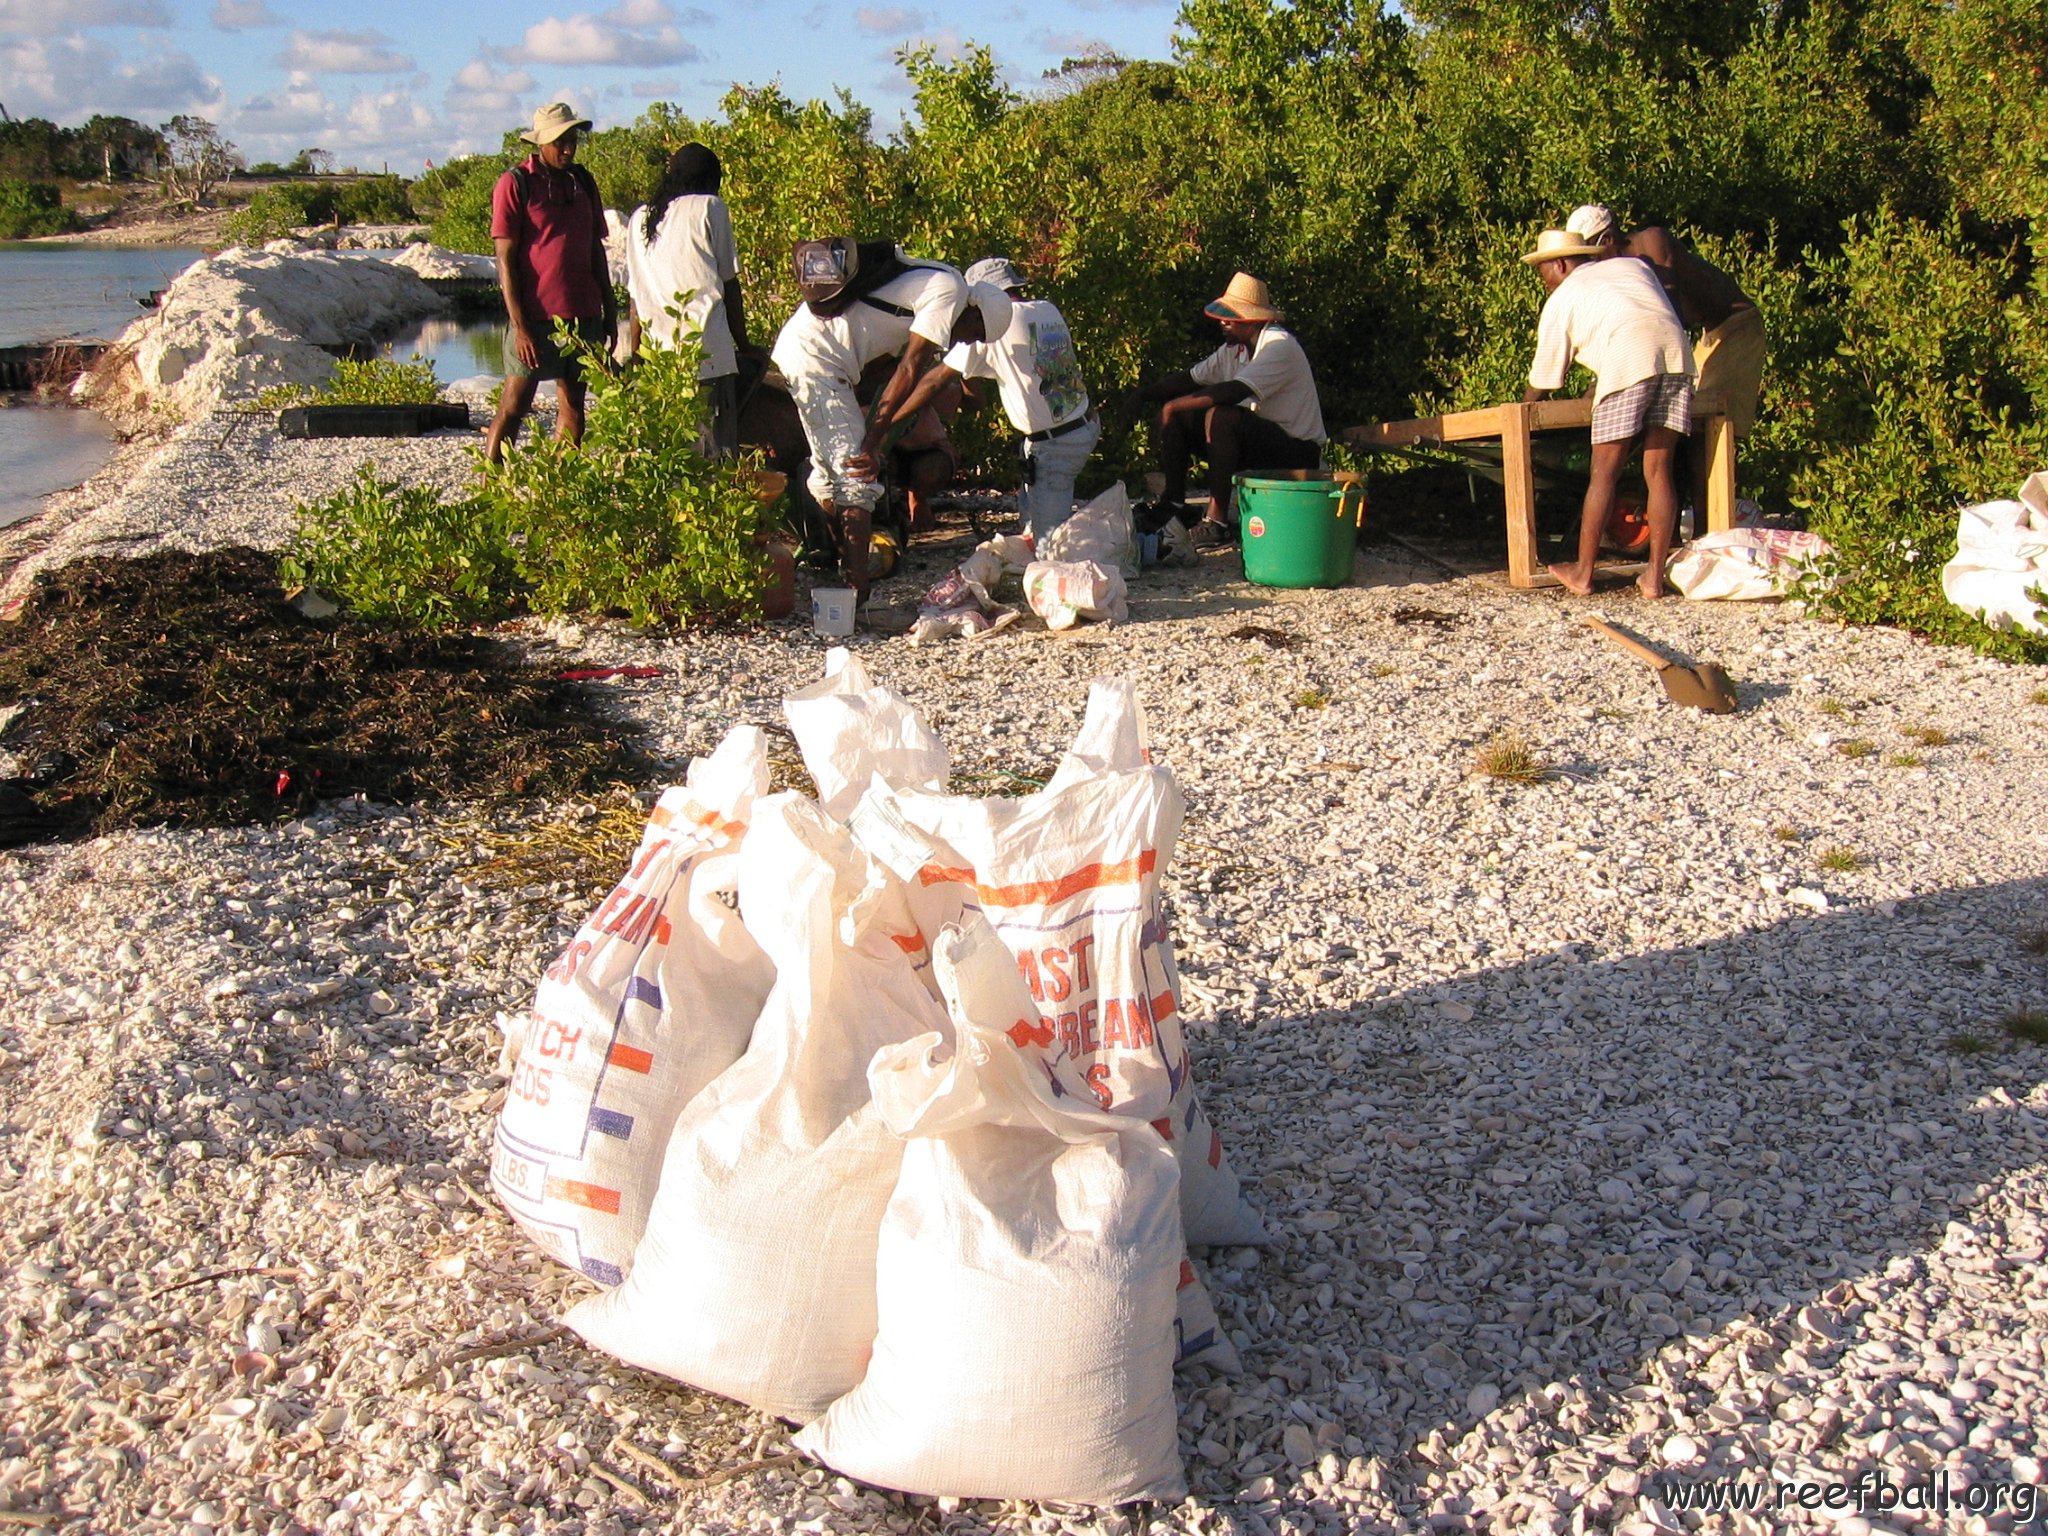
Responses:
[1299,533]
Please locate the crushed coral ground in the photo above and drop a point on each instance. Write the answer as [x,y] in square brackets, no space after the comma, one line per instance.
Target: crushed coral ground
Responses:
[184,690]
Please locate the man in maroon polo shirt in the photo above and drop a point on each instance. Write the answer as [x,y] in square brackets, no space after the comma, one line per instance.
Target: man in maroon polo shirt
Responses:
[548,226]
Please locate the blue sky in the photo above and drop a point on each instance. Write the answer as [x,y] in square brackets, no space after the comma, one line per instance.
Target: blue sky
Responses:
[381,82]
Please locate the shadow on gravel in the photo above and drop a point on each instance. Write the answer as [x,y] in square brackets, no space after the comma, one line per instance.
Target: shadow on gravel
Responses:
[1561,1168]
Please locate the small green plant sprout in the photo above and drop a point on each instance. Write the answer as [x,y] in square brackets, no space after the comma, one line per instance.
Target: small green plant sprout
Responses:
[1785,832]
[1507,755]
[1311,698]
[1857,747]
[1966,1044]
[2036,943]
[1905,760]
[2038,696]
[1928,735]
[2029,1024]
[1841,860]
[1383,669]
[1832,706]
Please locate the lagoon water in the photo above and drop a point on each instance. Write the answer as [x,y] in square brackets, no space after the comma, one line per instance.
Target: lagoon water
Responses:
[49,291]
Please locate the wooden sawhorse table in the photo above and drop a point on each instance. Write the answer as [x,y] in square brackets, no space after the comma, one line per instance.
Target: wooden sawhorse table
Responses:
[1516,423]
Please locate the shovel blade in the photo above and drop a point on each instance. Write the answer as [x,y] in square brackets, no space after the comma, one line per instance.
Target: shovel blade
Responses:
[1703,687]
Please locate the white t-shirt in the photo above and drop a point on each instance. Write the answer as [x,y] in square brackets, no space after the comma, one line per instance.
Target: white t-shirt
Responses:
[1034,366]
[1276,371]
[692,252]
[1614,317]
[839,348]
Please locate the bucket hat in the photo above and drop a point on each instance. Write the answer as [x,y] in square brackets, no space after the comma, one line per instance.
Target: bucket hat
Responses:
[1590,221]
[1553,244]
[999,270]
[1245,299]
[995,308]
[552,121]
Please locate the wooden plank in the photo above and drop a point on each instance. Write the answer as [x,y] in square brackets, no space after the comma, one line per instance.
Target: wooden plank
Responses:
[1456,427]
[1518,489]
[1720,433]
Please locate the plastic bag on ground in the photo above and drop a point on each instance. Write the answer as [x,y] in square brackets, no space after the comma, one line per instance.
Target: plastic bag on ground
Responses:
[1025,1273]
[849,730]
[1745,564]
[2001,552]
[1064,593]
[653,998]
[1069,880]
[756,1276]
[1101,531]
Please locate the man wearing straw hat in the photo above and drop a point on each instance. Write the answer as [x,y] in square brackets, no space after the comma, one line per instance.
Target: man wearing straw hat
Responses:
[1249,405]
[547,223]
[1614,317]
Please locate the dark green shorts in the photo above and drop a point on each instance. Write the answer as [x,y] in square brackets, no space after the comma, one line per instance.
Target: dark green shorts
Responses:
[551,365]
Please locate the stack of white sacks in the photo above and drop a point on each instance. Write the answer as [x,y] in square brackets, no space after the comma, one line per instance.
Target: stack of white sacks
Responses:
[876,1112]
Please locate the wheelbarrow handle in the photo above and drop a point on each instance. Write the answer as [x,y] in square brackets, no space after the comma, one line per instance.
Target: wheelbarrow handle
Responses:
[1628,643]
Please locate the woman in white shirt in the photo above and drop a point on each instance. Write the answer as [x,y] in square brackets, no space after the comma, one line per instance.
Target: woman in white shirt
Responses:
[682,275]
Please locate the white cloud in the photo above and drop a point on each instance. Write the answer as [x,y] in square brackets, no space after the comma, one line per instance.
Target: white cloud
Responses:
[301,110]
[652,89]
[637,32]
[67,78]
[343,53]
[53,18]
[1072,45]
[889,20]
[241,15]
[481,94]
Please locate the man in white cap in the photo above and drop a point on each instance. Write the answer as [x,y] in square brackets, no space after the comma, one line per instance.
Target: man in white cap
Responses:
[847,320]
[1613,317]
[1249,405]
[547,222]
[1730,351]
[1039,380]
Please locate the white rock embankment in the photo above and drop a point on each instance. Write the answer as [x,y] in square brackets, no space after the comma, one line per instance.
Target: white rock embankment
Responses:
[244,320]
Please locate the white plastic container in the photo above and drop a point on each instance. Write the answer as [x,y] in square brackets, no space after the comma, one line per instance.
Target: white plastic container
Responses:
[832,611]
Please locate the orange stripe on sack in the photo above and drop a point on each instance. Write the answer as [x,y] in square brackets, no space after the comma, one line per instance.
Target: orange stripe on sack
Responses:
[696,816]
[631,1059]
[909,943]
[1038,892]
[1163,1007]
[594,1196]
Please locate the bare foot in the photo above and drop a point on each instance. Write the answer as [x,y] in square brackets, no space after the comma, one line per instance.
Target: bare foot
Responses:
[1572,579]
[1650,586]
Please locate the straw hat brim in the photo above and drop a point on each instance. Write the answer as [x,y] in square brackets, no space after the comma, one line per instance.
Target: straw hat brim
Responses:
[554,131]
[1231,309]
[1557,252]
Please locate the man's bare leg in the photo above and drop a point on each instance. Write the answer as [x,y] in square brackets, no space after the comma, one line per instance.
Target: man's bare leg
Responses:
[1221,425]
[1660,476]
[569,402]
[1608,461]
[1176,441]
[852,528]
[515,399]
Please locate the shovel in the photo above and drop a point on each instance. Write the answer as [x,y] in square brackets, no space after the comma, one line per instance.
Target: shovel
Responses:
[1702,687]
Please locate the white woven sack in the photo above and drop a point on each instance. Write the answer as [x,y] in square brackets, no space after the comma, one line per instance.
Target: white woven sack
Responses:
[1069,879]
[756,1276]
[1100,530]
[1025,1275]
[849,731]
[1064,592]
[653,998]
[2001,555]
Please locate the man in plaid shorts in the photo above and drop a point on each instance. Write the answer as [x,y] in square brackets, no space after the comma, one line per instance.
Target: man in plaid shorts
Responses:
[1615,318]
